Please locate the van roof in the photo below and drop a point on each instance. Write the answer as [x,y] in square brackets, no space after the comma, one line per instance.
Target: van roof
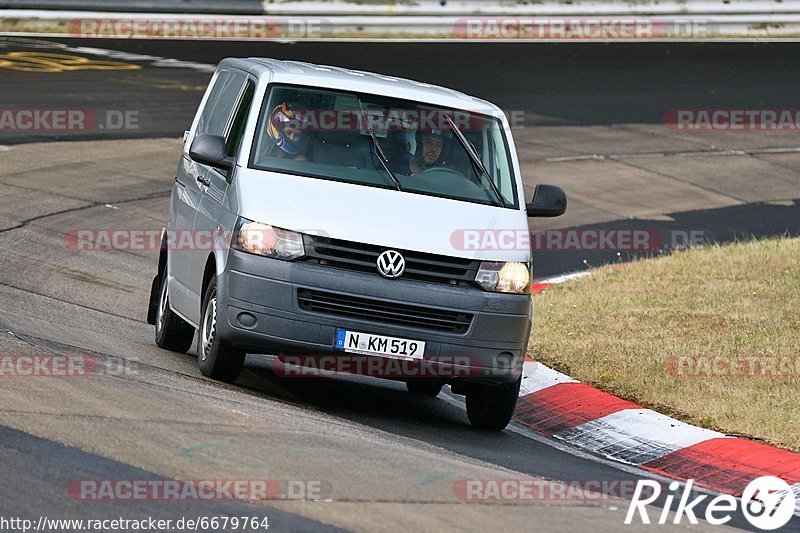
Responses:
[300,73]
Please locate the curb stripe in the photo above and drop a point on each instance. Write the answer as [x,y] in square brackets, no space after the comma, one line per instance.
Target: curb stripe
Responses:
[567,406]
[636,436]
[536,288]
[728,464]
[536,376]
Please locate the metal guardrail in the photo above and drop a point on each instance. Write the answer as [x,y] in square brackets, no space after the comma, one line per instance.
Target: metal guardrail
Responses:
[455,19]
[232,7]
[573,8]
[459,8]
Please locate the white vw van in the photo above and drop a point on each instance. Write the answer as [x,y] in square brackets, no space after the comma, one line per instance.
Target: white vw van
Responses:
[319,211]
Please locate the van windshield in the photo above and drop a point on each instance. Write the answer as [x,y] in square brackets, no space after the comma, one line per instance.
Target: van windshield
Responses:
[384,142]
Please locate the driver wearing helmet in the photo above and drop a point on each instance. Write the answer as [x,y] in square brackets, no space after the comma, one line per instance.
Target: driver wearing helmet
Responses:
[429,153]
[430,148]
[287,133]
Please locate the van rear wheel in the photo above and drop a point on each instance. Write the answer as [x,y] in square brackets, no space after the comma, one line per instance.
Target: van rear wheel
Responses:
[491,407]
[216,358]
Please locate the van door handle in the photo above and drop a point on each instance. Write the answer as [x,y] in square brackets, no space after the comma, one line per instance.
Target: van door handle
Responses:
[203,181]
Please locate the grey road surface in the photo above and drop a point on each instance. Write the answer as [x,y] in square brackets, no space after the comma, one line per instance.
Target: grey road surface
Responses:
[388,461]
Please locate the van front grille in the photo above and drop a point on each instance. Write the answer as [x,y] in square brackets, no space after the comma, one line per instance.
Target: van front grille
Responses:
[379,311]
[364,258]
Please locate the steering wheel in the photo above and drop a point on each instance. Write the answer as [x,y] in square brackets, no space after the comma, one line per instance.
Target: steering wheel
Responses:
[441,170]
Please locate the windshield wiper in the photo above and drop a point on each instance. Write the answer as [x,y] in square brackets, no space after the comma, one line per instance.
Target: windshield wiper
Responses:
[476,161]
[377,147]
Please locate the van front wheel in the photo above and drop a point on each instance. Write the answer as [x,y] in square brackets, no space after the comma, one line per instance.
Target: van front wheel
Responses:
[491,407]
[217,359]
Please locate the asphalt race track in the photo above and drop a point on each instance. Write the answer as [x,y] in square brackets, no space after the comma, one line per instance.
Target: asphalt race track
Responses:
[386,460]
[603,107]
[554,84]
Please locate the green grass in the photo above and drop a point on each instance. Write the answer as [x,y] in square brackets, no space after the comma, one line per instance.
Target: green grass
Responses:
[619,329]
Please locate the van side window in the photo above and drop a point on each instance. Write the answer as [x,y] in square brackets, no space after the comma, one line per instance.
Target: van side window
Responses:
[217,112]
[236,134]
[219,82]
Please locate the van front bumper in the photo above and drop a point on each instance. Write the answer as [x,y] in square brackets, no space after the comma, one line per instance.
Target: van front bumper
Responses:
[259,309]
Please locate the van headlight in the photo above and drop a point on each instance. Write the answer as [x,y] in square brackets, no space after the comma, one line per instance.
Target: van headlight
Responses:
[510,277]
[269,241]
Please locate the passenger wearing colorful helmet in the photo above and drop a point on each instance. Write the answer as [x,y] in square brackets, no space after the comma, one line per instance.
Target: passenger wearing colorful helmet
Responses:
[286,130]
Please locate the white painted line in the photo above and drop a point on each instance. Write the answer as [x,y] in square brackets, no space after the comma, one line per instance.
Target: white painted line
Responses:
[564,158]
[721,153]
[565,278]
[779,150]
[701,153]
[536,376]
[155,61]
[4,148]
[636,436]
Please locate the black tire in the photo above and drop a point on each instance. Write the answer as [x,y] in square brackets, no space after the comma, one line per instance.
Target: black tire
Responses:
[492,407]
[172,332]
[216,358]
[425,387]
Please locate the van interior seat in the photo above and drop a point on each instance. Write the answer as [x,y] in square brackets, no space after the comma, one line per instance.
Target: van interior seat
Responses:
[342,147]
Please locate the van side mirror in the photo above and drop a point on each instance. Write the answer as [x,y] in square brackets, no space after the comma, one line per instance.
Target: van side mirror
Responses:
[210,150]
[548,201]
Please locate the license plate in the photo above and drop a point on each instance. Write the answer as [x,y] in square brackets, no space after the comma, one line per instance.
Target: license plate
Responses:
[367,344]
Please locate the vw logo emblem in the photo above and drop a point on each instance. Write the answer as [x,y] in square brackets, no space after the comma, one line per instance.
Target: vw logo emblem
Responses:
[391,264]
